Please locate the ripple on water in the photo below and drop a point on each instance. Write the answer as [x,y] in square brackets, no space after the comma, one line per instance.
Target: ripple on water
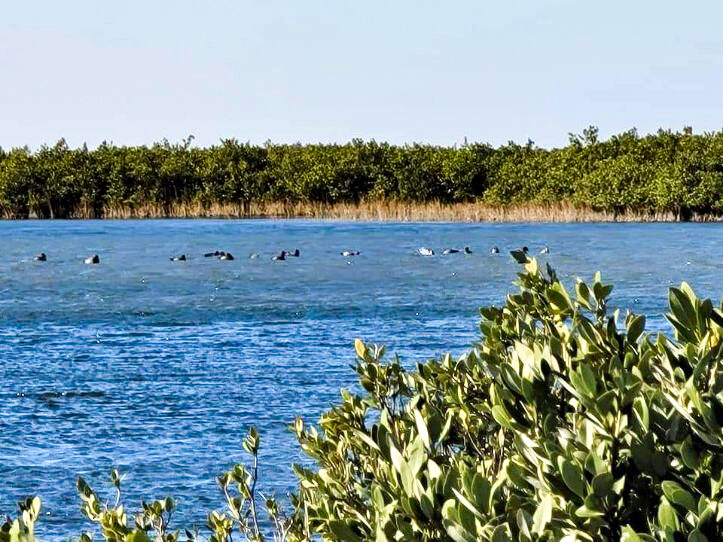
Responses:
[159,369]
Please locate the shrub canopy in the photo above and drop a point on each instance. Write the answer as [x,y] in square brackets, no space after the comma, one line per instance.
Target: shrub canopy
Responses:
[668,172]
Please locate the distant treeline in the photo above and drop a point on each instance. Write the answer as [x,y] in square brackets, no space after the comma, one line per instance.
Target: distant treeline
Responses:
[673,172]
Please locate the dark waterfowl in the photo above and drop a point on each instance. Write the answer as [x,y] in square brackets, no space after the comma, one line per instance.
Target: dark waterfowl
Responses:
[295,254]
[347,253]
[424,251]
[466,250]
[522,255]
[226,256]
[41,257]
[495,250]
[94,259]
[545,250]
[181,258]
[280,256]
[216,253]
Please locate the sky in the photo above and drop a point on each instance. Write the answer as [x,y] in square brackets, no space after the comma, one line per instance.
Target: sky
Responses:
[134,72]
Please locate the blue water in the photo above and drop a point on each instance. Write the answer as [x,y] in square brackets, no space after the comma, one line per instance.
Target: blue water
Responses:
[159,368]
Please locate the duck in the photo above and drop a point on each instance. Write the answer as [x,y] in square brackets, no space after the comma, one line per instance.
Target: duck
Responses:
[281,256]
[253,256]
[424,251]
[545,250]
[295,254]
[521,255]
[466,250]
[94,259]
[216,253]
[495,250]
[181,258]
[347,253]
[41,257]
[226,256]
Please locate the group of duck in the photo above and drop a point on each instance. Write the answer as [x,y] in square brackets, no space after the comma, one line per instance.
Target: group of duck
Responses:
[281,256]
[90,260]
[219,254]
[424,251]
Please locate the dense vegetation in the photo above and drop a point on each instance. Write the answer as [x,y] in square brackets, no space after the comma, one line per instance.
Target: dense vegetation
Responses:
[560,424]
[678,173]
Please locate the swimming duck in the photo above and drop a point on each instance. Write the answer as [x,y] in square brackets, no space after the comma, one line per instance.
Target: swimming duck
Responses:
[181,258]
[466,250]
[41,257]
[545,250]
[253,256]
[495,250]
[425,251]
[281,256]
[92,260]
[347,253]
[226,256]
[295,254]
[215,253]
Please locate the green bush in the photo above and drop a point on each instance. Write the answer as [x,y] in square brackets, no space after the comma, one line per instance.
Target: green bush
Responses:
[559,425]
[565,422]
[672,172]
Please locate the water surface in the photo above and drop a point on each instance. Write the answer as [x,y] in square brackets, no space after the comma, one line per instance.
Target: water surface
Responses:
[159,368]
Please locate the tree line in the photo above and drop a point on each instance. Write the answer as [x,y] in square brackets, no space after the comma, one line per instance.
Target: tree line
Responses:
[675,172]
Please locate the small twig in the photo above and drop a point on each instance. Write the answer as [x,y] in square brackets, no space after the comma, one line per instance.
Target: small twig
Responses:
[253,494]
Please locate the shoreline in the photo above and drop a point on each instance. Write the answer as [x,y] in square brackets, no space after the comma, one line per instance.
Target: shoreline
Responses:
[394,211]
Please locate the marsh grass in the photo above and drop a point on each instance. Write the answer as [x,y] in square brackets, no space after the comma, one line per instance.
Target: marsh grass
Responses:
[392,210]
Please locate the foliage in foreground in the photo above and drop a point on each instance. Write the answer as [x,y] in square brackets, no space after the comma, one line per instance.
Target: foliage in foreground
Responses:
[560,424]
[680,173]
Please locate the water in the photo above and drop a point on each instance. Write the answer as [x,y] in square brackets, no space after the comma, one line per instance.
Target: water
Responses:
[159,368]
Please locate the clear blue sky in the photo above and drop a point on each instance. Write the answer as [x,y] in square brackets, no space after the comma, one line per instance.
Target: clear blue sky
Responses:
[134,72]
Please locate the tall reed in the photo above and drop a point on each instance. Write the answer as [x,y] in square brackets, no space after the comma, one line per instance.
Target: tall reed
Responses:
[392,210]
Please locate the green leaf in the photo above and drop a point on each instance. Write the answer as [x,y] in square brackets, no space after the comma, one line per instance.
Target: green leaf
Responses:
[543,515]
[629,535]
[640,409]
[572,476]
[667,517]
[635,328]
[499,413]
[458,533]
[676,494]
[137,536]
[342,531]
[422,429]
[402,467]
[501,533]
[696,536]
[602,484]
[682,308]
[471,507]
[688,455]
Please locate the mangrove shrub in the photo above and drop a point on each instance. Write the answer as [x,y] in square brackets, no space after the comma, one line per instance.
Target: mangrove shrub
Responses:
[672,172]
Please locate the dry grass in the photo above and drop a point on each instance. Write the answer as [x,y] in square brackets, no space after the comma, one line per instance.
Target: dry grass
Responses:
[400,211]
